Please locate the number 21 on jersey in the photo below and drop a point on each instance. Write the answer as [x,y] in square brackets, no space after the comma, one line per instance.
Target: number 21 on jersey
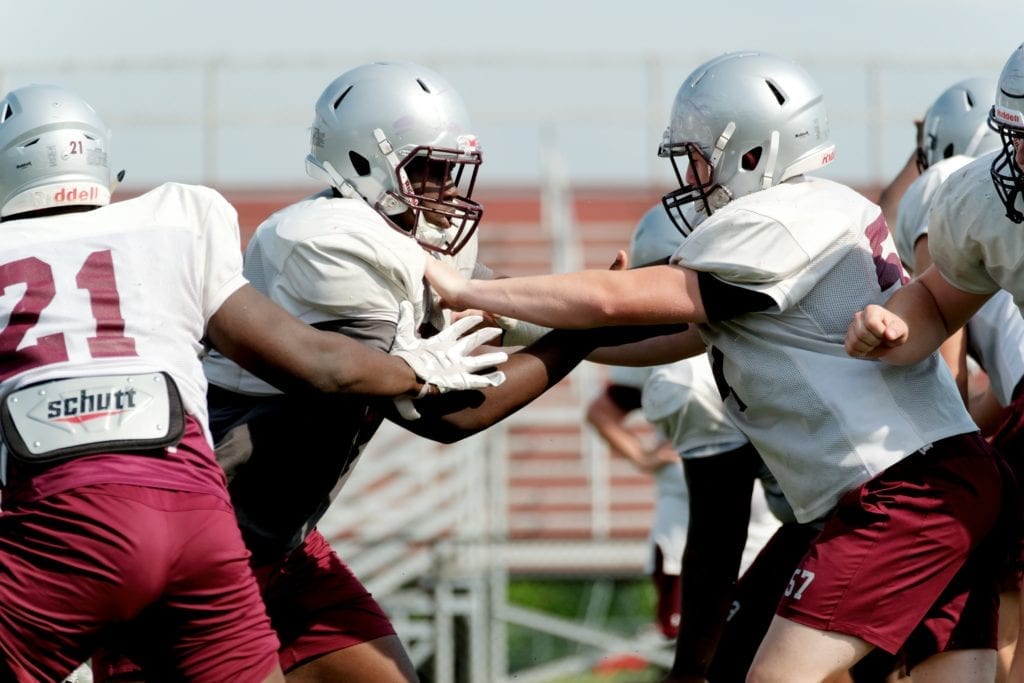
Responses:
[96,277]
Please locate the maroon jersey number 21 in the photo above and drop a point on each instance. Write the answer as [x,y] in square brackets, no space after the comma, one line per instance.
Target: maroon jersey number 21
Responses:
[96,276]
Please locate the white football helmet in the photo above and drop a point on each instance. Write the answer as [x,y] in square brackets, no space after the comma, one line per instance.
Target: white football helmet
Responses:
[756,120]
[654,239]
[1007,119]
[397,135]
[957,123]
[53,151]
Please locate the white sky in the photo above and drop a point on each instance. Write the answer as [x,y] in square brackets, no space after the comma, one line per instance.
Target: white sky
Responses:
[541,78]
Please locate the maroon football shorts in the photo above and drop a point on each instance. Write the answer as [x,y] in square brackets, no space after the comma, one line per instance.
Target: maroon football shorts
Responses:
[913,556]
[80,562]
[317,604]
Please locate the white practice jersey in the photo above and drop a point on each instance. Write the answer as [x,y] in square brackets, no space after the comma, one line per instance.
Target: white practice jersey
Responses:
[995,338]
[672,498]
[824,422]
[996,332]
[328,258]
[682,401]
[972,242]
[912,213]
[628,376]
[147,314]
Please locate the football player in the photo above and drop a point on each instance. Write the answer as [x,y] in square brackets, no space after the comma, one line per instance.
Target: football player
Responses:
[723,526]
[682,403]
[775,264]
[972,241]
[114,508]
[393,145]
[955,130]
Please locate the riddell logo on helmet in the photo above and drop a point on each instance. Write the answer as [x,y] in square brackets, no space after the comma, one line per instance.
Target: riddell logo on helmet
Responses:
[828,157]
[76,195]
[1009,115]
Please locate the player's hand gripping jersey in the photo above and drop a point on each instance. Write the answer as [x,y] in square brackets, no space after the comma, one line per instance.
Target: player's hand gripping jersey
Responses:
[821,252]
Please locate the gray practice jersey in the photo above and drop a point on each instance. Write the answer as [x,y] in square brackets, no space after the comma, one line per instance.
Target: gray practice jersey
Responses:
[824,422]
[337,265]
[995,334]
[972,242]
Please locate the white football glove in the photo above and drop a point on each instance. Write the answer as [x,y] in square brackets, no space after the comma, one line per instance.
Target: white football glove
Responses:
[443,361]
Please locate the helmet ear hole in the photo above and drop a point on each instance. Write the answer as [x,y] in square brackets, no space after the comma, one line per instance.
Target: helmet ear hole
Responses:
[948,152]
[750,159]
[360,163]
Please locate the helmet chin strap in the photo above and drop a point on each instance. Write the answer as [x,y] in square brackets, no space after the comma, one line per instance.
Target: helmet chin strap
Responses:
[721,143]
[391,205]
[325,172]
[720,196]
[972,145]
[118,177]
[769,164]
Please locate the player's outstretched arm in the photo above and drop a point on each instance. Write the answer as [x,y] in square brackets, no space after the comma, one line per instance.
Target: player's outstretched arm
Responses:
[590,298]
[528,374]
[271,343]
[665,348]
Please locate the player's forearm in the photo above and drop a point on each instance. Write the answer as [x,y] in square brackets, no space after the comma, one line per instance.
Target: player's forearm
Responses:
[359,369]
[926,324]
[569,300]
[528,374]
[335,364]
[655,350]
[274,345]
[608,419]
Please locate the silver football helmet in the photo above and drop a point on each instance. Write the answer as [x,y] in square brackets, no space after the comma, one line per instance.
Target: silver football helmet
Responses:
[654,239]
[53,151]
[754,119]
[957,123]
[397,135]
[1007,119]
